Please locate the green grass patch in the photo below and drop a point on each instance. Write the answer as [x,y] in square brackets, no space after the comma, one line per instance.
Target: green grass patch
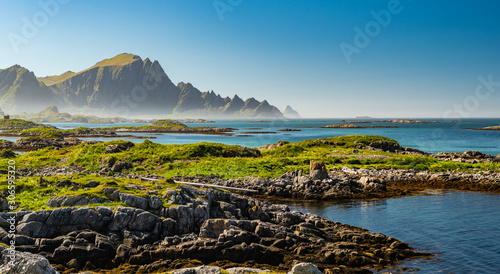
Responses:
[17,123]
[236,161]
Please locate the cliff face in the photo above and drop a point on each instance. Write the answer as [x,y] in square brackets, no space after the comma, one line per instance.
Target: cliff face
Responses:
[132,85]
[124,85]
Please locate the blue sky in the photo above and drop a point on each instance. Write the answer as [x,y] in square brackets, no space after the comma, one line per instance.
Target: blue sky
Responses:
[426,61]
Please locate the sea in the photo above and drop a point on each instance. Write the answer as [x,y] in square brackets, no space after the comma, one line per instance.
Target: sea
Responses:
[443,136]
[461,229]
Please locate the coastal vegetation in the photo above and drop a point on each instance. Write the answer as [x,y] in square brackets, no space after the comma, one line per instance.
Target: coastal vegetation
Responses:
[167,218]
[235,161]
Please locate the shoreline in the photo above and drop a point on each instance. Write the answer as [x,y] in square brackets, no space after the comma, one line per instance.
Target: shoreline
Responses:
[205,228]
[104,206]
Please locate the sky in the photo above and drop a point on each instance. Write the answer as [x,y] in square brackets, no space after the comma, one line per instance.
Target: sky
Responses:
[329,59]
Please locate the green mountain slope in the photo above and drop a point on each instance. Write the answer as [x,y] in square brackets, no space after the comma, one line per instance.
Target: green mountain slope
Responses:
[20,91]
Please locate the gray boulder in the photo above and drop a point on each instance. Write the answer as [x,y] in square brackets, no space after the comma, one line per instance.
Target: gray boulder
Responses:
[204,269]
[245,270]
[144,221]
[155,202]
[25,263]
[134,201]
[305,268]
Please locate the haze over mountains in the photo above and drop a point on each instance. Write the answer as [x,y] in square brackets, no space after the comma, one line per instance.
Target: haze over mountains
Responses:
[124,85]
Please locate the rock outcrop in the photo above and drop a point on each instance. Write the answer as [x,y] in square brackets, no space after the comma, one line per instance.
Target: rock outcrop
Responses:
[467,157]
[318,185]
[24,263]
[210,227]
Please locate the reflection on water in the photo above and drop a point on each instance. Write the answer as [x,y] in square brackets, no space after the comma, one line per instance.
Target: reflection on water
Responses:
[460,227]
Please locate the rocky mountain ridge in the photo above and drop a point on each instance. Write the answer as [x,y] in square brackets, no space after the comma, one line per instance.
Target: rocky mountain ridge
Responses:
[124,85]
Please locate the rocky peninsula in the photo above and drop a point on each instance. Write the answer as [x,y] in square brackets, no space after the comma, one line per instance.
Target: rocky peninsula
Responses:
[124,207]
[197,226]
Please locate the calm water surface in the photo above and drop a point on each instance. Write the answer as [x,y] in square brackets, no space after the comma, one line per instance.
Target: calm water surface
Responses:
[449,136]
[461,228]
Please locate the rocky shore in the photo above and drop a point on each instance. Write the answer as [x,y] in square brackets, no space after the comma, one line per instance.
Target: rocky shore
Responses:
[28,144]
[355,126]
[193,130]
[349,183]
[488,128]
[198,227]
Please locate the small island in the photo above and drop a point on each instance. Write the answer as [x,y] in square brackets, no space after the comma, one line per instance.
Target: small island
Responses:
[406,121]
[355,126]
[37,135]
[488,128]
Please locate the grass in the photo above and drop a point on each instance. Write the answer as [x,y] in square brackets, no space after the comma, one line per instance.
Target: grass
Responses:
[32,193]
[18,123]
[117,61]
[39,131]
[228,161]
[52,80]
[232,161]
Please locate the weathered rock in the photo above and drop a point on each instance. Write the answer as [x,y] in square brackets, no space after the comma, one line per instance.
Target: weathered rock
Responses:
[245,270]
[155,202]
[25,263]
[53,203]
[143,221]
[199,270]
[257,231]
[305,268]
[134,201]
[317,171]
[121,165]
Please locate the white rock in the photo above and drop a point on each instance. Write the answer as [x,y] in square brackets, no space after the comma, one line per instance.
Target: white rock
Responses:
[25,263]
[305,268]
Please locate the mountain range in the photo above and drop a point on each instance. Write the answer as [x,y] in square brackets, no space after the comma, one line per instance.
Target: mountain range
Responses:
[124,85]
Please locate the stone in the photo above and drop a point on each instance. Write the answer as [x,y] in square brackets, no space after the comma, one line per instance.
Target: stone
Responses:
[144,221]
[305,268]
[53,203]
[212,228]
[105,211]
[92,184]
[29,229]
[245,270]
[134,201]
[71,201]
[25,263]
[155,202]
[120,166]
[4,223]
[184,217]
[199,270]
[317,171]
[120,221]
[115,195]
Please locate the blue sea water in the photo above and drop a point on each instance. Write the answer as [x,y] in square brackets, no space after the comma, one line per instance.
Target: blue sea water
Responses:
[448,135]
[460,228]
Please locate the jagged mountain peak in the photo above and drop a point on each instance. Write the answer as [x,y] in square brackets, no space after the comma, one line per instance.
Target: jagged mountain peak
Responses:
[124,85]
